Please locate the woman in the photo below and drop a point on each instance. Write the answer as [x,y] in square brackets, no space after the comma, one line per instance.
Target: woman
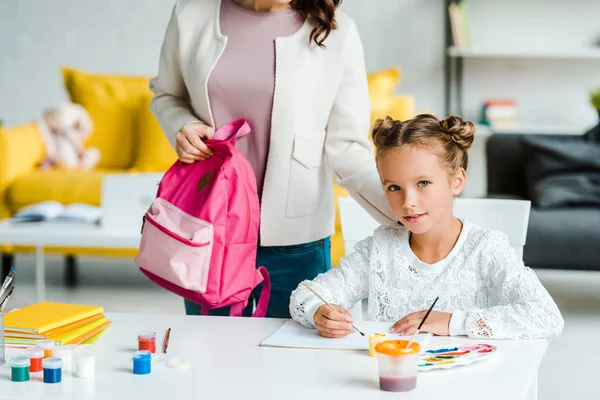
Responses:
[295,70]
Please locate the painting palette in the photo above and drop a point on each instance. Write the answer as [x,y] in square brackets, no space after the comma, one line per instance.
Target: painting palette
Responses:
[444,357]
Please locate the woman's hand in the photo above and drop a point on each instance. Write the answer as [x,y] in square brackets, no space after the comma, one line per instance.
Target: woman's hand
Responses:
[333,323]
[437,323]
[189,142]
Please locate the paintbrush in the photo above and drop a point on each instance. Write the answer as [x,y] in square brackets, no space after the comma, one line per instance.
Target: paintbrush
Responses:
[329,305]
[5,301]
[421,324]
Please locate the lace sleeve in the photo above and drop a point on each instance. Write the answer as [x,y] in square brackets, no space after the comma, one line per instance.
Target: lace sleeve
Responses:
[525,309]
[343,286]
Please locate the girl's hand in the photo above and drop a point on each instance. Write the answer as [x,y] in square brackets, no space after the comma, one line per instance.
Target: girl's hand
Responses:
[333,323]
[437,323]
[189,142]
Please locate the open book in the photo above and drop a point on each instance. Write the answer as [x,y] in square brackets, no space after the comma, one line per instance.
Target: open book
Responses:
[55,211]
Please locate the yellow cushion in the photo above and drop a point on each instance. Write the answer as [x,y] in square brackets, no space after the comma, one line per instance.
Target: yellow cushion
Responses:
[113,103]
[72,186]
[153,152]
[383,82]
[403,107]
[381,90]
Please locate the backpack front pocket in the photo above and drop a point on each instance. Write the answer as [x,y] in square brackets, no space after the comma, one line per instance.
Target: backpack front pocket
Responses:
[176,246]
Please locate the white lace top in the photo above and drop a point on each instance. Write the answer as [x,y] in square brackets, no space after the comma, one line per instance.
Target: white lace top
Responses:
[482,282]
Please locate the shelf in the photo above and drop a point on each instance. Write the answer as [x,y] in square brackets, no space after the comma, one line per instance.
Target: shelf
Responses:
[543,129]
[591,53]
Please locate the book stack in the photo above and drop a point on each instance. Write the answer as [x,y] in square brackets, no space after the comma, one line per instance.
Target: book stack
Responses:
[63,323]
[459,25]
[500,114]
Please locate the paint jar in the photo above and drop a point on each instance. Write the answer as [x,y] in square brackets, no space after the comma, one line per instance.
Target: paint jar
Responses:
[398,366]
[52,370]
[147,341]
[65,353]
[47,345]
[142,362]
[19,369]
[375,338]
[85,362]
[35,354]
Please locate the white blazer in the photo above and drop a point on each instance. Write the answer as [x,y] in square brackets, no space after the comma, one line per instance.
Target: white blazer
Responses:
[320,118]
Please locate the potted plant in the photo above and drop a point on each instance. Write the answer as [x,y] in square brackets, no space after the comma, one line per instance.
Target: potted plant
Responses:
[594,133]
[595,100]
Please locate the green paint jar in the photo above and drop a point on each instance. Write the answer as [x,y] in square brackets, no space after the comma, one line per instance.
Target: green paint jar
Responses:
[20,369]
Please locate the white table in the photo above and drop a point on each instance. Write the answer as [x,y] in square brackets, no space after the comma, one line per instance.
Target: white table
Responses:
[45,234]
[227,363]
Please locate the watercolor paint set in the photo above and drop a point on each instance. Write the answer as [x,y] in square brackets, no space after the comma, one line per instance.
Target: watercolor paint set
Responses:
[445,357]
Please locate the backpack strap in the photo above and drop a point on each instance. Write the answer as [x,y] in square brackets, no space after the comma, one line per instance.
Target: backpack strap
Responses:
[263,301]
[265,294]
[233,130]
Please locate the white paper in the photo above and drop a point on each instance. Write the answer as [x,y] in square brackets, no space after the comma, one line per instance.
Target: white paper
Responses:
[294,335]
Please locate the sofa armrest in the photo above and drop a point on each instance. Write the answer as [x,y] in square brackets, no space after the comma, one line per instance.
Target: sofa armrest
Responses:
[505,165]
[21,150]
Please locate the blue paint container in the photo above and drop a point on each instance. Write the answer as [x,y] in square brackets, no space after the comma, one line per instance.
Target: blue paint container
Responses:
[52,370]
[142,362]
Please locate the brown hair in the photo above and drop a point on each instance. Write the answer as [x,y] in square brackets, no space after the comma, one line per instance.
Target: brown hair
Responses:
[449,138]
[322,13]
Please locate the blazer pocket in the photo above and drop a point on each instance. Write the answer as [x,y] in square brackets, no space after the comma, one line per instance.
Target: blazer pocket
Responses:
[308,178]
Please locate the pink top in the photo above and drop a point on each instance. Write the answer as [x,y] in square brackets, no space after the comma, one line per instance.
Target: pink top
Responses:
[243,80]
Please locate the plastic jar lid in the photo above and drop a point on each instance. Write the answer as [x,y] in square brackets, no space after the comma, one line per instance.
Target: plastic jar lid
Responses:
[397,348]
[147,335]
[142,354]
[20,362]
[85,359]
[62,351]
[178,363]
[377,335]
[45,344]
[83,353]
[34,352]
[52,363]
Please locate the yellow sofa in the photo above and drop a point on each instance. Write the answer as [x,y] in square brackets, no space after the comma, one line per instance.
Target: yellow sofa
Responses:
[119,109]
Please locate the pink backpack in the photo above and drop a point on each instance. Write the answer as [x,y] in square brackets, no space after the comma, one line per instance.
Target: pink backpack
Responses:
[200,235]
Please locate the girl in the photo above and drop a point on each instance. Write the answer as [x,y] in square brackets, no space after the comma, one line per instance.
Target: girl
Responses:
[295,70]
[484,288]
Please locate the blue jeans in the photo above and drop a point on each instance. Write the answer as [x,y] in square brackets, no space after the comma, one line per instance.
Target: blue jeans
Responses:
[287,266]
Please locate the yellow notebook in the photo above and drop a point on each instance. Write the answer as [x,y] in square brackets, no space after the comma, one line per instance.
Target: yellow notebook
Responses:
[44,316]
[90,334]
[95,338]
[79,332]
[51,334]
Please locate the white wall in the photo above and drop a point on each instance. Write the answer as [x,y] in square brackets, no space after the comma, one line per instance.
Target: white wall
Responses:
[549,91]
[409,34]
[37,37]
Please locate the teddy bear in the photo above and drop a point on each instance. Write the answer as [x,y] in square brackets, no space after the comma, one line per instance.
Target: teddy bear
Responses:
[64,129]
